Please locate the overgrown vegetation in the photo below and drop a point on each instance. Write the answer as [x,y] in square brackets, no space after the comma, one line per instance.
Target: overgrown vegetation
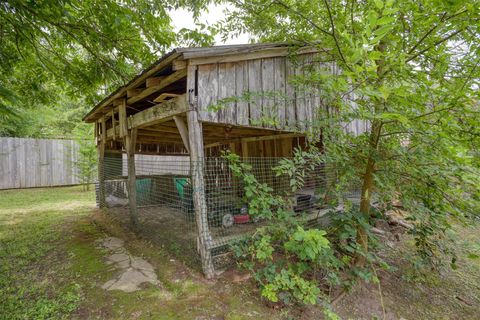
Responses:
[51,268]
[410,69]
[292,261]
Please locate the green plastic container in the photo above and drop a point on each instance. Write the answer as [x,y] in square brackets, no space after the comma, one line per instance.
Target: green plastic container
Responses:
[144,188]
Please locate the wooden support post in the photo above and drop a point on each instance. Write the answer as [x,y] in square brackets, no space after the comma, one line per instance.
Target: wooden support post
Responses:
[104,129]
[101,158]
[114,125]
[197,158]
[122,118]
[130,142]
[182,128]
[244,149]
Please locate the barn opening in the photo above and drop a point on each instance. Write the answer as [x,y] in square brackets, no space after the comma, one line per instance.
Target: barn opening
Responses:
[160,140]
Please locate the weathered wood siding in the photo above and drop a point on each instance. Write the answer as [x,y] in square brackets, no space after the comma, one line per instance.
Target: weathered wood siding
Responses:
[27,163]
[270,98]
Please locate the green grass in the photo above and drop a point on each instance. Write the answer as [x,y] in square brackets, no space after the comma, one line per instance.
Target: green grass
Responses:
[50,268]
[32,257]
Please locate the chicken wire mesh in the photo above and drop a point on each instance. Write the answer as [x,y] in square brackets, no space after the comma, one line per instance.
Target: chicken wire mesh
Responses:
[165,202]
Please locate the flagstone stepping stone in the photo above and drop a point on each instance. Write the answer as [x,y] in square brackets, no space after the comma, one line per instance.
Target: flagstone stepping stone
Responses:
[134,271]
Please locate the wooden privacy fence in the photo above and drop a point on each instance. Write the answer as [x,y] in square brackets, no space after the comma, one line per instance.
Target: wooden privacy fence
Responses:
[27,163]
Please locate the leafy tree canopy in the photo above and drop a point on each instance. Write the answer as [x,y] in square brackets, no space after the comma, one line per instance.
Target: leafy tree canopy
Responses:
[411,70]
[57,57]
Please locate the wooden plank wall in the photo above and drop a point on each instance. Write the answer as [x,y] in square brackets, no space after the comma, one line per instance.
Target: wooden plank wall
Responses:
[271,95]
[28,163]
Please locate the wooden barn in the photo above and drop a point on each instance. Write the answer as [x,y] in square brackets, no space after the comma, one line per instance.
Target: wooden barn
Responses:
[187,107]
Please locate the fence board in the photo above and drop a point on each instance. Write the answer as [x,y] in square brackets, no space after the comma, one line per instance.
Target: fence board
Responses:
[28,163]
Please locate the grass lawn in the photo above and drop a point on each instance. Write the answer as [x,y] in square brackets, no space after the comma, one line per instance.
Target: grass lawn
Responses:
[50,268]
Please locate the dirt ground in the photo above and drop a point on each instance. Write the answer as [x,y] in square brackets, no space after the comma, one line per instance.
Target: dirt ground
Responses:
[52,268]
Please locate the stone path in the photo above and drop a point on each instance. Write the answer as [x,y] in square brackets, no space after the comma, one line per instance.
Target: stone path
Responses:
[133,270]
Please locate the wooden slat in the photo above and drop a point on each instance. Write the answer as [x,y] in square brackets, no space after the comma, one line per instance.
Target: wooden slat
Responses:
[207,91]
[130,143]
[268,86]
[290,105]
[280,90]
[301,114]
[255,88]
[310,104]
[273,137]
[26,162]
[241,87]
[226,89]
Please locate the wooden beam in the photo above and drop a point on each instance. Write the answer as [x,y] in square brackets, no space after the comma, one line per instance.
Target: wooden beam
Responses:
[104,128]
[101,174]
[160,112]
[177,75]
[182,128]
[122,118]
[130,143]
[273,137]
[117,102]
[165,62]
[153,81]
[261,54]
[149,133]
[244,141]
[133,92]
[244,149]
[157,128]
[114,125]
[95,133]
[148,140]
[164,96]
[179,64]
[199,201]
[197,158]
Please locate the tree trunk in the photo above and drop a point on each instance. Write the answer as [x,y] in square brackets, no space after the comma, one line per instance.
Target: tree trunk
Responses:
[367,188]
[368,178]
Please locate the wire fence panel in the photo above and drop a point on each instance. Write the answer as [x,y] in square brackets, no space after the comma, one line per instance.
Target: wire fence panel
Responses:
[166,209]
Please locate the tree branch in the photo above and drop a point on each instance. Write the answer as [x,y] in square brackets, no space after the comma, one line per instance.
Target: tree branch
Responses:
[310,21]
[435,44]
[335,36]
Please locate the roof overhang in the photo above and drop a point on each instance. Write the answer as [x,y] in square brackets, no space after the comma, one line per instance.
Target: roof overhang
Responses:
[196,56]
